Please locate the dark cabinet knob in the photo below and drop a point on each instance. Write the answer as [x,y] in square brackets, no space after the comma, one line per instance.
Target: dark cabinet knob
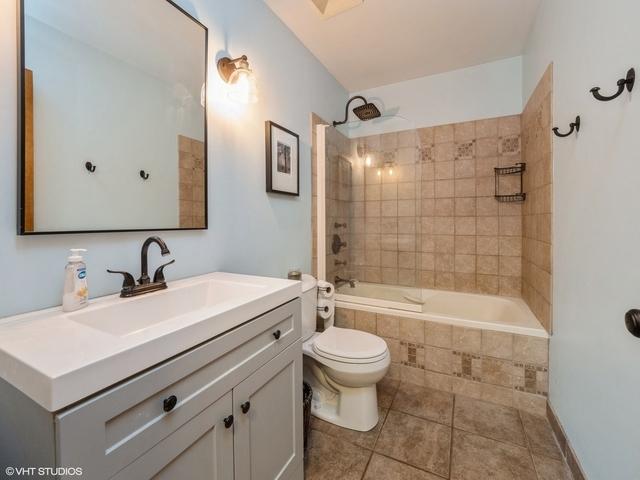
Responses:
[245,407]
[277,334]
[632,321]
[228,421]
[169,403]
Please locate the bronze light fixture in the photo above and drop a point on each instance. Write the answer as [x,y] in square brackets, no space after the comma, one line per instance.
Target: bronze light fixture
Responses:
[237,74]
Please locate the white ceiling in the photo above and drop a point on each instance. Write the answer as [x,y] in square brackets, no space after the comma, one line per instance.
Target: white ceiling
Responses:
[387,41]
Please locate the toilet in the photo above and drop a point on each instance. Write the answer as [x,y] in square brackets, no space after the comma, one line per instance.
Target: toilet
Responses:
[342,366]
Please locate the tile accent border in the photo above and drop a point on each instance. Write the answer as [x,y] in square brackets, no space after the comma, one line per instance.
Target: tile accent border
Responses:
[565,445]
[497,367]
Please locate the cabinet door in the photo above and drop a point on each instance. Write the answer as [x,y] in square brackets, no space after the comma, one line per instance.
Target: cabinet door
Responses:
[268,434]
[201,449]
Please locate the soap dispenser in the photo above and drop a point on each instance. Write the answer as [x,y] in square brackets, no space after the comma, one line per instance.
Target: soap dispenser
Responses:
[76,293]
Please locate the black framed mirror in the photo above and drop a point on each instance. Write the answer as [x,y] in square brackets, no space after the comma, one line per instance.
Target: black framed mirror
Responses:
[112,117]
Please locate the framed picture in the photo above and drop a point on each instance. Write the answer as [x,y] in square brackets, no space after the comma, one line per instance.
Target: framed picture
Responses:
[283,160]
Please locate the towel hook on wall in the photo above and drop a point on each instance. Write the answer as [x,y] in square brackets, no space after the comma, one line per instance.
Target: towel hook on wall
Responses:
[90,167]
[622,83]
[574,126]
[144,175]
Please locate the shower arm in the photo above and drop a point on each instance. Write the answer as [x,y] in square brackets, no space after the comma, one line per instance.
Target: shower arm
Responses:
[346,109]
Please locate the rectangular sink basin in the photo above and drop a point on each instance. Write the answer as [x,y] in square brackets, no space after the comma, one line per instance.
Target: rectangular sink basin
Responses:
[58,358]
[136,314]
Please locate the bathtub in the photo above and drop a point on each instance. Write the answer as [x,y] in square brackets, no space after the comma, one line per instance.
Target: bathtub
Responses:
[489,312]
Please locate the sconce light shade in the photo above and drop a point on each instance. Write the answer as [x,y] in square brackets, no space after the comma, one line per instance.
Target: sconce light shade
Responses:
[240,78]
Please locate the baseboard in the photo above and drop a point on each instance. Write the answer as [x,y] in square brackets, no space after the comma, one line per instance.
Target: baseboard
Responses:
[565,445]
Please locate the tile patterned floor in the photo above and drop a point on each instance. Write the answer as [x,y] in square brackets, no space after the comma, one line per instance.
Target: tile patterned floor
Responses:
[426,434]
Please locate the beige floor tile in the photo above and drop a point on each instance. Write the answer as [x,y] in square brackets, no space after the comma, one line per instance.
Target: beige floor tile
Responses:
[362,439]
[550,469]
[489,420]
[475,458]
[329,458]
[424,402]
[386,389]
[418,442]
[540,436]
[384,468]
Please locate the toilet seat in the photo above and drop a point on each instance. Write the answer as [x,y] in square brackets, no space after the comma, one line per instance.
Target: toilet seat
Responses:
[350,346]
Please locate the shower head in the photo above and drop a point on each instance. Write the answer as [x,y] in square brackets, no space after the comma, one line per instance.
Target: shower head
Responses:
[365,112]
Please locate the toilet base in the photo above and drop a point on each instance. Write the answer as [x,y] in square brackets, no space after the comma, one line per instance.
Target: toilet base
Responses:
[353,408]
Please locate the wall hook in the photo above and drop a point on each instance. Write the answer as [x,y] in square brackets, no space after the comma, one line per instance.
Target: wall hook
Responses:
[622,83]
[573,126]
[90,167]
[144,175]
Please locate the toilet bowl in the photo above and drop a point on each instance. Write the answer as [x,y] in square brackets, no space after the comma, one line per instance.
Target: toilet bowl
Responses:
[342,366]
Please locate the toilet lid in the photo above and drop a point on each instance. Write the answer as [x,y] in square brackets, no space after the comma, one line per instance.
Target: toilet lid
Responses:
[349,344]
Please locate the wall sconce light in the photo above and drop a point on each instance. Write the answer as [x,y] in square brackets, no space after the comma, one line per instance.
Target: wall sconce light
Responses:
[237,74]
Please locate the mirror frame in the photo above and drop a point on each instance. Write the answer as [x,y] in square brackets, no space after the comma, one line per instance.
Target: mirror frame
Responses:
[21,137]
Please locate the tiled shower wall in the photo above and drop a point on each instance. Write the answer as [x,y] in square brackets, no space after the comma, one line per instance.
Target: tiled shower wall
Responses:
[537,210]
[424,213]
[191,161]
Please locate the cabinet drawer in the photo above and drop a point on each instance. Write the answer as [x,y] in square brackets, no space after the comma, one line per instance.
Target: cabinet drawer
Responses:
[111,430]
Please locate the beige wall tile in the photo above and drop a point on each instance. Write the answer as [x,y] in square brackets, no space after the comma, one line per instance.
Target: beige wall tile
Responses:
[443,134]
[497,344]
[467,339]
[412,330]
[438,360]
[497,395]
[412,375]
[388,326]
[365,321]
[497,372]
[438,334]
[532,350]
[345,318]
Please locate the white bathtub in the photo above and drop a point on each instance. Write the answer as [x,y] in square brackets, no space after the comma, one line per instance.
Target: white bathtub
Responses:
[503,314]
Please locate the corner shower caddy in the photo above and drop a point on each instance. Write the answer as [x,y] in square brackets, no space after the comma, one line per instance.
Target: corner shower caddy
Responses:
[517,169]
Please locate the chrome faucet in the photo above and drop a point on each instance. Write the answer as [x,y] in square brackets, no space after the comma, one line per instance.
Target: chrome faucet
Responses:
[337,281]
[145,285]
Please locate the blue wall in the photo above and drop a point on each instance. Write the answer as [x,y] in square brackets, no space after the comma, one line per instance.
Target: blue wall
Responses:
[249,231]
[594,367]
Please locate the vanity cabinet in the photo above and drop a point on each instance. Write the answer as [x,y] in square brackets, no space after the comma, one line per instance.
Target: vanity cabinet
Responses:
[230,408]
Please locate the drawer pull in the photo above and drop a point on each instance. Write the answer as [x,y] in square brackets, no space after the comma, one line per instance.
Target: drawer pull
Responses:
[169,403]
[277,334]
[245,407]
[228,421]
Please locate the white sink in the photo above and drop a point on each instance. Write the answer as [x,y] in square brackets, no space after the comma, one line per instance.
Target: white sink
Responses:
[133,315]
[59,358]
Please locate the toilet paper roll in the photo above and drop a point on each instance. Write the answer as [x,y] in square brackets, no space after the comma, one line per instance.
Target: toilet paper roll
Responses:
[325,289]
[326,308]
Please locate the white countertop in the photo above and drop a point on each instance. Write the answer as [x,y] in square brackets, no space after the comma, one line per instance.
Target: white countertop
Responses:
[56,359]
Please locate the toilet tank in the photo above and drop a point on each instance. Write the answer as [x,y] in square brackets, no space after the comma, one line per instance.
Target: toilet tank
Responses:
[309,305]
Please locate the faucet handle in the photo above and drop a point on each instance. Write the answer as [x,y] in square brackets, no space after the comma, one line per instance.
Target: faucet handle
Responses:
[159,275]
[128,280]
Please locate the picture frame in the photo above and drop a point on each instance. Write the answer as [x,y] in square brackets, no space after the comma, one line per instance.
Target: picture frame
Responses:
[283,159]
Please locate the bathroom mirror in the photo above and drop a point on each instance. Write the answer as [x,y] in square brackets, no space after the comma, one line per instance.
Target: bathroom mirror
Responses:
[112,117]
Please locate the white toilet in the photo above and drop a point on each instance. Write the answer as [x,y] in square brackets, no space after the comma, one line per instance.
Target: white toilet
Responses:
[342,366]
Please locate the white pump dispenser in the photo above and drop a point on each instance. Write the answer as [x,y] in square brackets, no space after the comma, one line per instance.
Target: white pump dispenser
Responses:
[76,293]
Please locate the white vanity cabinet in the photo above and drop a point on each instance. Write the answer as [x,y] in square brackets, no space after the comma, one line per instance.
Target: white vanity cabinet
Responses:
[230,408]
